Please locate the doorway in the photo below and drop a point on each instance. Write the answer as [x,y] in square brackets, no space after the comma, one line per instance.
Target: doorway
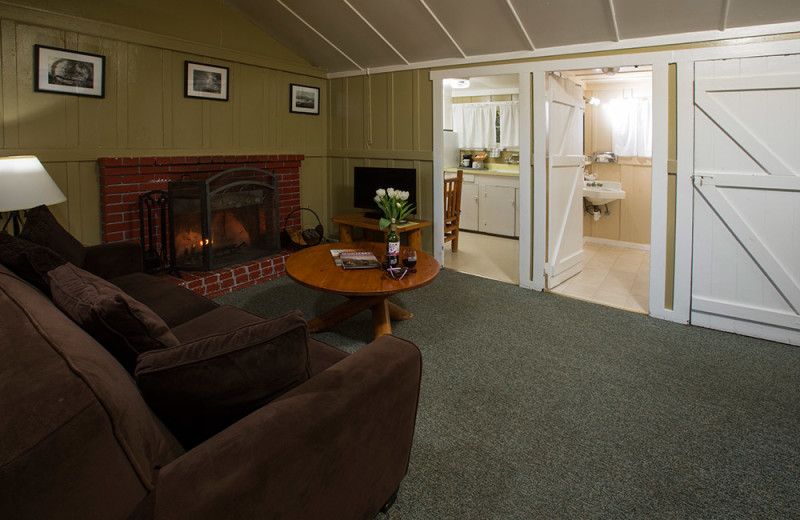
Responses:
[481,138]
[599,205]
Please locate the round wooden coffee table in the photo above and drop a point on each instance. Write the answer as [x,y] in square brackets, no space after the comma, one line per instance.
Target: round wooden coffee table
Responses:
[364,288]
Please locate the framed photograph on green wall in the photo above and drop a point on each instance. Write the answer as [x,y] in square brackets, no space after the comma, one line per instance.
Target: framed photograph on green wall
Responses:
[206,81]
[68,72]
[304,99]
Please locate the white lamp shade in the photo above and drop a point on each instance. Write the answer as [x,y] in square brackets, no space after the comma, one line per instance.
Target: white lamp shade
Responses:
[25,184]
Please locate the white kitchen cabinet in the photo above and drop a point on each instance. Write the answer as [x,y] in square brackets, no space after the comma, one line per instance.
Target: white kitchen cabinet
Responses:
[489,203]
[469,206]
[497,210]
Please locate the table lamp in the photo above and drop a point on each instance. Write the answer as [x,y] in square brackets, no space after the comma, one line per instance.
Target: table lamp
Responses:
[25,184]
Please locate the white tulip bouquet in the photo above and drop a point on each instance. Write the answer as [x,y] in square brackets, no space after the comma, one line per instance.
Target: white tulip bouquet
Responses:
[394,204]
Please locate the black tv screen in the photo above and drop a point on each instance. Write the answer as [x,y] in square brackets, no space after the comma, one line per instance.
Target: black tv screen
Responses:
[368,179]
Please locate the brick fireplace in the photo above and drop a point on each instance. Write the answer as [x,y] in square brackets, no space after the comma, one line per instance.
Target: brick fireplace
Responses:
[124,179]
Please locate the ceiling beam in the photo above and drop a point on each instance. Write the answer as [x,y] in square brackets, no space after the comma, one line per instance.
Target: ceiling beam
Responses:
[340,51]
[436,19]
[614,19]
[723,19]
[519,22]
[376,31]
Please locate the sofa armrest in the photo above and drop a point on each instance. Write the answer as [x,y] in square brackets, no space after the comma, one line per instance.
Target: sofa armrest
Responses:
[335,447]
[113,259]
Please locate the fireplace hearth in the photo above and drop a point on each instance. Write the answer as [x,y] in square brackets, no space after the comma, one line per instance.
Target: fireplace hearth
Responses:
[229,218]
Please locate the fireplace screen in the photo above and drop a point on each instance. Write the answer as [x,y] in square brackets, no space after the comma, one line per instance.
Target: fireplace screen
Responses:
[230,218]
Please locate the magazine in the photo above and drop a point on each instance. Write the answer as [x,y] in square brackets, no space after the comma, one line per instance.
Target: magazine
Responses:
[336,252]
[358,260]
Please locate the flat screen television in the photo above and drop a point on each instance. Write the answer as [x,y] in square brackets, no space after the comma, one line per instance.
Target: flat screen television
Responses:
[368,179]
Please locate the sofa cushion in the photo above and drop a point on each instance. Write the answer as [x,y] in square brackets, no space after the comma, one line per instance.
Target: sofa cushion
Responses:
[209,323]
[200,388]
[42,228]
[29,261]
[124,326]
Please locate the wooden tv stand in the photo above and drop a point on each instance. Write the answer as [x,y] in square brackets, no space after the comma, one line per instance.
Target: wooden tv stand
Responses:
[347,223]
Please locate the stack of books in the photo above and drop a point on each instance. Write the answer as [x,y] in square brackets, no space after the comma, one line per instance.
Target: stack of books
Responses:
[354,259]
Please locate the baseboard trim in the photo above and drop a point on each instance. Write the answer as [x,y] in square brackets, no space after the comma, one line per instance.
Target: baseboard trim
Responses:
[616,243]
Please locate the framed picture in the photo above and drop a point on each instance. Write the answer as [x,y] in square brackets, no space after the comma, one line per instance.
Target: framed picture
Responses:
[206,81]
[68,72]
[304,100]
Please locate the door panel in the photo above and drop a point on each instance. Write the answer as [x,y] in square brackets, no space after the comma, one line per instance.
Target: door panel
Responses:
[565,162]
[746,243]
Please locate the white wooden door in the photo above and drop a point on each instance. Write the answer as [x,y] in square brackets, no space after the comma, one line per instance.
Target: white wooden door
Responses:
[565,162]
[746,236]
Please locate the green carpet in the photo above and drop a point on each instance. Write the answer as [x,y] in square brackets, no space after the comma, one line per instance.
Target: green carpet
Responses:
[536,406]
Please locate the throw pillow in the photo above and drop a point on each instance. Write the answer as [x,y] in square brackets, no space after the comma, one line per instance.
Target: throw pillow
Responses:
[42,228]
[202,387]
[124,326]
[29,261]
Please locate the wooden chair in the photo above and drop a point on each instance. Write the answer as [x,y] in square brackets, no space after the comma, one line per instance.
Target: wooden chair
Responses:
[452,208]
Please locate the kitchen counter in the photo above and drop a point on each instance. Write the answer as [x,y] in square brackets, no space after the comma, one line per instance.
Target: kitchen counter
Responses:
[511,171]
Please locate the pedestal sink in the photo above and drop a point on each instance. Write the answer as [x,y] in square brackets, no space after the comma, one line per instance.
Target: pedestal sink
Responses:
[602,192]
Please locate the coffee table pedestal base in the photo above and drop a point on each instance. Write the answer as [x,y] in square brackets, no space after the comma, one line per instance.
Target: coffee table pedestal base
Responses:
[383,313]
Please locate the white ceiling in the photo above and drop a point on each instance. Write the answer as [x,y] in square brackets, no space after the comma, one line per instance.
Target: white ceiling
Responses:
[351,36]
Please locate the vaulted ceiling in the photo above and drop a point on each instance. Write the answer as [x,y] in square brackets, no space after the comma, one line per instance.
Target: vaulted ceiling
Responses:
[351,36]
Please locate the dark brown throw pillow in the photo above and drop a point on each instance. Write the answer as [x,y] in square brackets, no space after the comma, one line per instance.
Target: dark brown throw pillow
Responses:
[202,387]
[124,326]
[42,228]
[29,261]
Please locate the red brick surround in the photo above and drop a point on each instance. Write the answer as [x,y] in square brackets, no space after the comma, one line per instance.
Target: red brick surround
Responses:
[123,179]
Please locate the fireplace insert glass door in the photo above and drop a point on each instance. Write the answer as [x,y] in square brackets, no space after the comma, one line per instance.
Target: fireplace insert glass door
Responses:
[230,218]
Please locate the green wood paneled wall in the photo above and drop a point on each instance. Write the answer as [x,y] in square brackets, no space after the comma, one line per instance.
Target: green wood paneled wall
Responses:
[144,111]
[381,120]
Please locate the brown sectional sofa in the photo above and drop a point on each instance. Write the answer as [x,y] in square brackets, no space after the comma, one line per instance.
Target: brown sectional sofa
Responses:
[245,417]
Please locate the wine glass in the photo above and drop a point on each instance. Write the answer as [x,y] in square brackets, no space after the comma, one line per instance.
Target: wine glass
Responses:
[410,258]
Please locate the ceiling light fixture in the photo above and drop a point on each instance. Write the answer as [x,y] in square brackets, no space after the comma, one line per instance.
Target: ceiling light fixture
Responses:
[459,83]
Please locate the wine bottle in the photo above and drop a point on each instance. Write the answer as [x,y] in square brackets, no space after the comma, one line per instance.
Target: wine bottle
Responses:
[393,246]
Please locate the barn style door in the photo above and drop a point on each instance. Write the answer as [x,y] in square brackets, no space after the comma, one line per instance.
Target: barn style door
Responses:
[746,237]
[565,162]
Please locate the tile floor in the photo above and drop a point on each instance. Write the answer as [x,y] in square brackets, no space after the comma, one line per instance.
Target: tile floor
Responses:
[615,276]
[485,255]
[612,275]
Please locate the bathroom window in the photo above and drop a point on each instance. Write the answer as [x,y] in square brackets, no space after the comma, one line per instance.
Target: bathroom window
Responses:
[631,126]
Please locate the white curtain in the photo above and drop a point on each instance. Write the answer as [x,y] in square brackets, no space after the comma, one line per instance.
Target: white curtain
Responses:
[631,126]
[474,124]
[509,123]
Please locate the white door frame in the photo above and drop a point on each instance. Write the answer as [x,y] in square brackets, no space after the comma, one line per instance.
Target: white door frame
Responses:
[533,172]
[524,156]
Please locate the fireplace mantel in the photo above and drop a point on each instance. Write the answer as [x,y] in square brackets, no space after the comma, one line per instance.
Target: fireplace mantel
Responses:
[124,179]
